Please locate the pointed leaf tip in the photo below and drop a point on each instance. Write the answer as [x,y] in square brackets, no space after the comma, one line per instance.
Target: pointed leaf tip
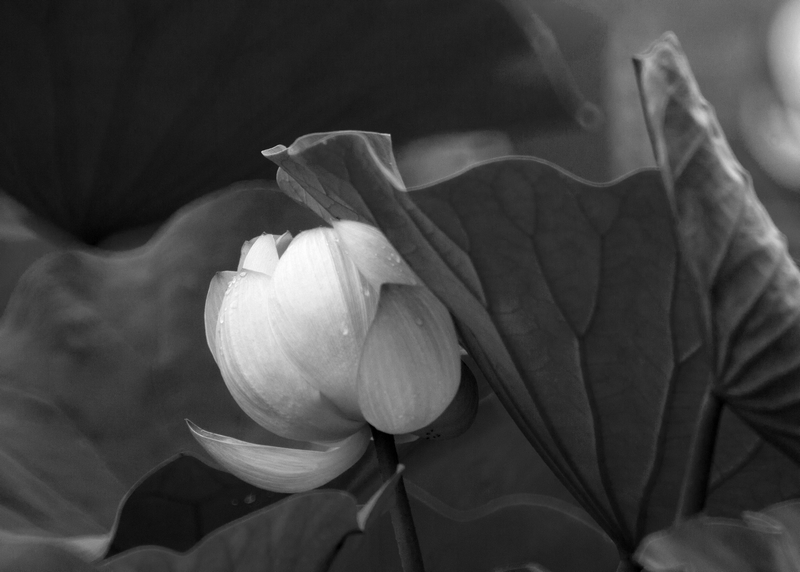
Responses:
[378,502]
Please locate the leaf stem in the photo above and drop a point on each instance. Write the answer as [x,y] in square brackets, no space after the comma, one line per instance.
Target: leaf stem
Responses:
[701,455]
[400,510]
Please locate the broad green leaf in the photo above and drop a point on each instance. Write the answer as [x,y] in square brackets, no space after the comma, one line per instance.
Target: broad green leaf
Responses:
[767,541]
[578,304]
[516,530]
[750,285]
[301,533]
[121,112]
[102,356]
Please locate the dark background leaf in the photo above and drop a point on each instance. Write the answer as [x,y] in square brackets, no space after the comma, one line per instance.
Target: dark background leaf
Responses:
[117,113]
[301,533]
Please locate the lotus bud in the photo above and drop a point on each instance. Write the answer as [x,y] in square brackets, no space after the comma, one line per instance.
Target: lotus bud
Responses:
[318,336]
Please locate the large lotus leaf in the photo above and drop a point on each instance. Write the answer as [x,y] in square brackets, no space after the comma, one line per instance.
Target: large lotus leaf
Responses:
[750,284]
[300,533]
[767,541]
[509,532]
[577,303]
[116,113]
[102,356]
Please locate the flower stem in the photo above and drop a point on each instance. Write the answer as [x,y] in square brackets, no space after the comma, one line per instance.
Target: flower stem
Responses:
[400,510]
[701,455]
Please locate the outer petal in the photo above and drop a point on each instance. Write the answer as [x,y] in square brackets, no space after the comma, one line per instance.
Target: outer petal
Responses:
[323,311]
[262,379]
[373,254]
[216,293]
[280,469]
[410,368]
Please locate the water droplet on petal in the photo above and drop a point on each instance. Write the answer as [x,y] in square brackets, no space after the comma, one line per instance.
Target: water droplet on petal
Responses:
[366,293]
[250,499]
[234,502]
[242,274]
[345,331]
[221,319]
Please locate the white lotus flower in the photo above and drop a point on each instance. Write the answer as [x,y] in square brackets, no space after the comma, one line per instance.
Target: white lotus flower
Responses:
[316,338]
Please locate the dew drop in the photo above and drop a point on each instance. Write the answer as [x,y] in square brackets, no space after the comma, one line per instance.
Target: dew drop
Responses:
[221,320]
[250,499]
[366,293]
[234,502]
[242,274]
[345,331]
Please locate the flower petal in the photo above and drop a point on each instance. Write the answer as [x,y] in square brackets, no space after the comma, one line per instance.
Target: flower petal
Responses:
[373,254]
[410,366]
[262,379]
[261,254]
[216,293]
[323,311]
[280,469]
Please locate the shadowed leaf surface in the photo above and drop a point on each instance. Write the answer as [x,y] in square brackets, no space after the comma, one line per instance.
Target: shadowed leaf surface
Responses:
[511,530]
[300,533]
[183,501]
[579,306]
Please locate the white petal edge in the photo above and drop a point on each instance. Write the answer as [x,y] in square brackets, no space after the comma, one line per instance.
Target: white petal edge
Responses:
[376,258]
[216,294]
[280,469]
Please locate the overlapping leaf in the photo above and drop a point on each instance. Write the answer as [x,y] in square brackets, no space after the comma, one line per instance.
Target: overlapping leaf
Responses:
[102,356]
[750,284]
[768,540]
[578,304]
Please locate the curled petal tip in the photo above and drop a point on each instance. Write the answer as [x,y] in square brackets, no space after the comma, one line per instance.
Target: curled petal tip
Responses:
[281,469]
[261,254]
[272,151]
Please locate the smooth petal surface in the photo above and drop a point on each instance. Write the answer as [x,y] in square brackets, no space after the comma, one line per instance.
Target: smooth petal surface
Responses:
[216,293]
[376,258]
[410,366]
[323,308]
[260,254]
[281,469]
[263,380]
